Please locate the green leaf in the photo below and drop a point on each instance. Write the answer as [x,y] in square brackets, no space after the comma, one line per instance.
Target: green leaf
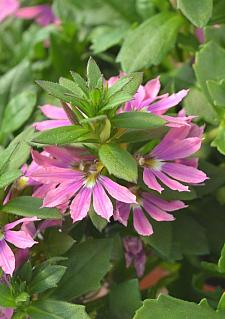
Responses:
[198,12]
[55,309]
[221,262]
[104,37]
[122,307]
[93,73]
[137,120]
[184,236]
[46,277]
[99,222]
[166,307]
[210,65]
[56,90]
[118,162]
[217,92]
[127,9]
[197,104]
[6,298]
[18,111]
[71,86]
[9,176]
[30,206]
[117,100]
[82,259]
[221,304]
[219,141]
[57,243]
[149,43]
[62,135]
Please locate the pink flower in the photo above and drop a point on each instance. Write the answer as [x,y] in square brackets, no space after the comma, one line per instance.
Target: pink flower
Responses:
[169,161]
[8,8]
[20,239]
[57,116]
[73,180]
[42,14]
[199,32]
[135,254]
[6,313]
[154,206]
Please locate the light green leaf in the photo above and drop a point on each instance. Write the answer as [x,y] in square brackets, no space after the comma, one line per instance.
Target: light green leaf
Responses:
[62,135]
[137,120]
[149,43]
[198,12]
[82,260]
[30,206]
[122,307]
[166,307]
[6,298]
[9,176]
[71,86]
[55,309]
[197,104]
[93,73]
[221,262]
[118,162]
[56,90]
[217,92]
[209,65]
[219,141]
[18,111]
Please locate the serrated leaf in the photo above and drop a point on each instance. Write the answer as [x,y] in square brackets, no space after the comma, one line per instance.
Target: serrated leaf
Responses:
[166,307]
[118,162]
[117,100]
[80,81]
[198,12]
[148,43]
[30,206]
[56,90]
[137,120]
[71,86]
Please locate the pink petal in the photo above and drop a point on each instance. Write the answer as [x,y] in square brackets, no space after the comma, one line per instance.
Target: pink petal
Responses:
[156,213]
[6,313]
[164,204]
[61,194]
[152,88]
[41,191]
[46,125]
[151,181]
[122,212]
[101,202]
[53,174]
[69,155]
[42,160]
[141,223]
[7,258]
[184,173]
[81,204]
[117,191]
[19,238]
[20,221]
[54,112]
[168,102]
[177,149]
[8,8]
[171,183]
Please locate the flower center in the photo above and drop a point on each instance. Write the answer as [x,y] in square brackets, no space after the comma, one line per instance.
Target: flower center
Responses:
[150,162]
[1,234]
[93,173]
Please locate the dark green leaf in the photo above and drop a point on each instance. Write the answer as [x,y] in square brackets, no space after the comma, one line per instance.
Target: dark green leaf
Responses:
[57,243]
[198,12]
[30,206]
[137,120]
[93,73]
[99,222]
[118,162]
[82,260]
[6,298]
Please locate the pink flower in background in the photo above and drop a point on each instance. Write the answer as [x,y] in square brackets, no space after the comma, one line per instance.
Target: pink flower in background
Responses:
[8,8]
[6,313]
[57,116]
[42,14]
[71,179]
[199,32]
[135,254]
[19,238]
[154,206]
[169,161]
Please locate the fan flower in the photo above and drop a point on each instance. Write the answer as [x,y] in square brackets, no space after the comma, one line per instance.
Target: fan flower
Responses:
[135,254]
[77,181]
[169,161]
[20,239]
[154,206]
